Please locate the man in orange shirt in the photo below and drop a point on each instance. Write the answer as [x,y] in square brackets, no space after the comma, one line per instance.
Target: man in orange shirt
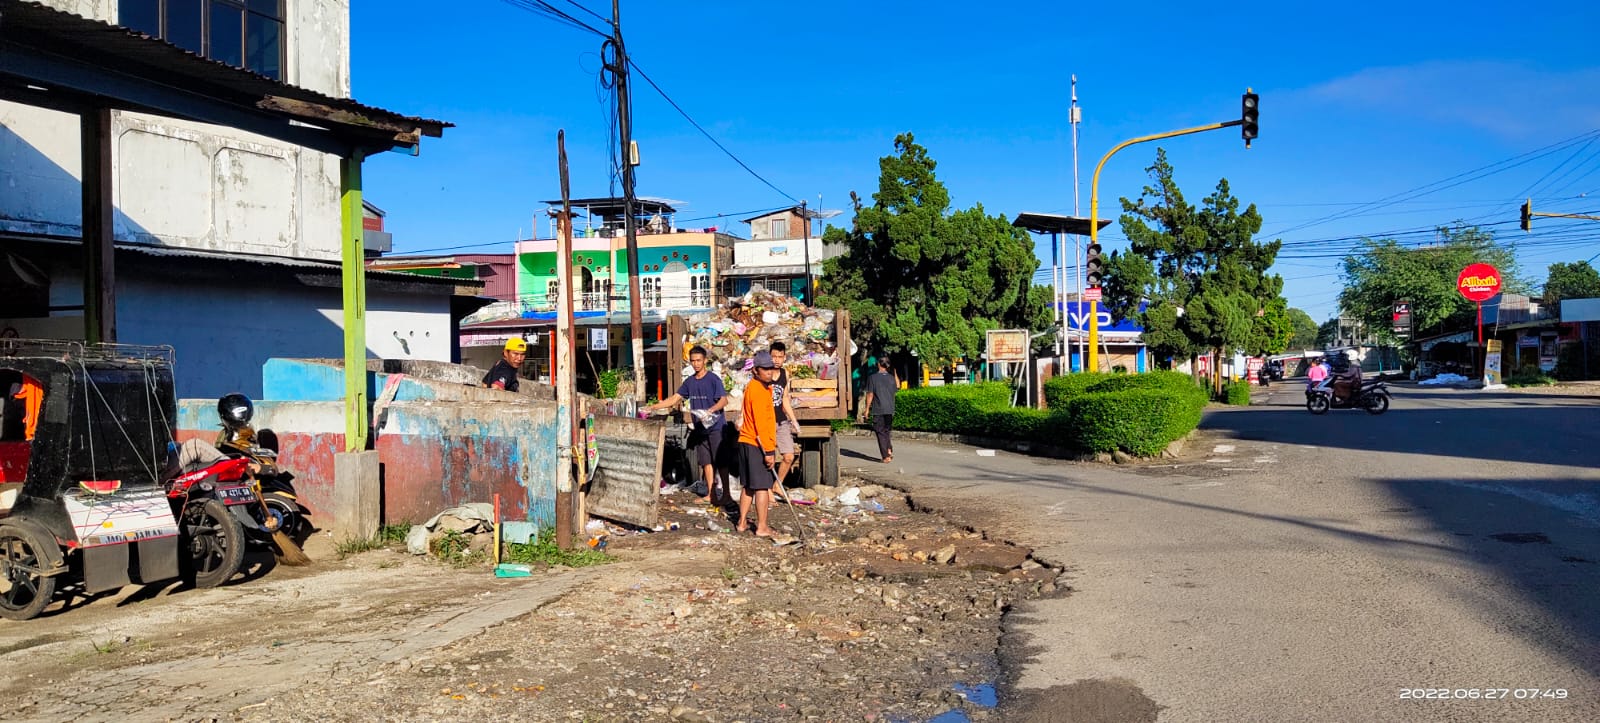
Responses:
[758,444]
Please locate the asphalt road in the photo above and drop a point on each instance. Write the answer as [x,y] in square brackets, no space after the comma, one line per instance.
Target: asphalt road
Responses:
[1291,567]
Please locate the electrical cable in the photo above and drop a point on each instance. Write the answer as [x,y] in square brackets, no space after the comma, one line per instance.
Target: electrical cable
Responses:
[707,133]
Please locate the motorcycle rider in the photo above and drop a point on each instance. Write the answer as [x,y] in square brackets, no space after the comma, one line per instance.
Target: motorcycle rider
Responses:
[1346,379]
[1317,374]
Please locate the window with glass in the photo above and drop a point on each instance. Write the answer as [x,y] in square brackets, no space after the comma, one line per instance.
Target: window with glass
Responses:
[247,34]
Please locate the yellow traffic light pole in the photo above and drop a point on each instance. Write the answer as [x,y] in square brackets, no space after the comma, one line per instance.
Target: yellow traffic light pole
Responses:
[1094,221]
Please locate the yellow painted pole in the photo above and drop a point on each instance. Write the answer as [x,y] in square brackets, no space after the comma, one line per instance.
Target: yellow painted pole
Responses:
[353,253]
[1093,364]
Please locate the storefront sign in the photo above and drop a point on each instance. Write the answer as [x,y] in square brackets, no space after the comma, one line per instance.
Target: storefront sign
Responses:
[1478,282]
[1006,345]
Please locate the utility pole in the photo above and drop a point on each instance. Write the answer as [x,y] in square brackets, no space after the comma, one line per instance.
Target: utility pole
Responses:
[806,219]
[1076,118]
[562,376]
[625,133]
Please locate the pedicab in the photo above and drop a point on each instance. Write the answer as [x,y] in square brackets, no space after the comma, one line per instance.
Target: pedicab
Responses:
[85,449]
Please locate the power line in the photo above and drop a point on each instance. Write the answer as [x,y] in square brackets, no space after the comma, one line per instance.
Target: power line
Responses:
[1452,181]
[551,12]
[592,13]
[706,133]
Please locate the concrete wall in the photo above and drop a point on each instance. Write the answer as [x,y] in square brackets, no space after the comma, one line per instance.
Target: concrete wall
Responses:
[787,252]
[441,443]
[189,184]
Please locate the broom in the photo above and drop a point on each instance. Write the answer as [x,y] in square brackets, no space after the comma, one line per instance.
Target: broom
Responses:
[798,524]
[283,546]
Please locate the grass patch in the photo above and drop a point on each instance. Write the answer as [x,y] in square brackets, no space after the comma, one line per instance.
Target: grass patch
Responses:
[396,532]
[544,550]
[356,546]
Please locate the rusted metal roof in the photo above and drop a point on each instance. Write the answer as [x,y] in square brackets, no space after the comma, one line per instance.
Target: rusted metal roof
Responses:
[117,50]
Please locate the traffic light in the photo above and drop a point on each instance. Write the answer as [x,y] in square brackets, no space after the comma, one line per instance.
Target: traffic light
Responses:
[1094,267]
[1249,117]
[1527,215]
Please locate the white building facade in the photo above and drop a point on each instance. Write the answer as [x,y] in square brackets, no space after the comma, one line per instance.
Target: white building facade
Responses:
[227,242]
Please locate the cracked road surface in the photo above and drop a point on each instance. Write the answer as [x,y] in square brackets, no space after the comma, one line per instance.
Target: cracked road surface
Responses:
[1291,567]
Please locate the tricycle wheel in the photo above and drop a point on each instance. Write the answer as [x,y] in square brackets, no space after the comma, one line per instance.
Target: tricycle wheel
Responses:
[24,588]
[215,541]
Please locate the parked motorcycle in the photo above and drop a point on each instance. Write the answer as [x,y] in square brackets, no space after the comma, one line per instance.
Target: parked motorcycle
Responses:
[261,446]
[213,505]
[1373,397]
[281,515]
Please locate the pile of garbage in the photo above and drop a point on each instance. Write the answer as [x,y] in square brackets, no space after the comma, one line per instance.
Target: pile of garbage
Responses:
[733,334]
[1446,379]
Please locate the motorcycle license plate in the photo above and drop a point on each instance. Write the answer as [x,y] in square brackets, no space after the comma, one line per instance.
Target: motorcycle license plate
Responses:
[236,495]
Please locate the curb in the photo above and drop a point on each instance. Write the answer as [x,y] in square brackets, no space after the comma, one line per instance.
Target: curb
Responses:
[1033,449]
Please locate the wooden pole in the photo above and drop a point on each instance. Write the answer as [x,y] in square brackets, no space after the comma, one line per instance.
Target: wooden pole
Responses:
[566,425]
[99,254]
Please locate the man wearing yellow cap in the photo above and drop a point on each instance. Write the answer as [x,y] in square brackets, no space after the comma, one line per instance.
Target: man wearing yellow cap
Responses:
[503,375]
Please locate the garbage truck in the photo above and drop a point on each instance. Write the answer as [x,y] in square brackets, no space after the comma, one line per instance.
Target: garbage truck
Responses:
[819,366]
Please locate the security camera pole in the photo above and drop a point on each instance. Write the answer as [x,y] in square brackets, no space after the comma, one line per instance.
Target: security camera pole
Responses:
[1249,128]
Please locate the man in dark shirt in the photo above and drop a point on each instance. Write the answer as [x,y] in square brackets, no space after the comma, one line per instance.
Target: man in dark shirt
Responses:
[706,397]
[879,402]
[503,375]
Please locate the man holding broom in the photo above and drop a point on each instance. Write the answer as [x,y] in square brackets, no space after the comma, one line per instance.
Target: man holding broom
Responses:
[758,444]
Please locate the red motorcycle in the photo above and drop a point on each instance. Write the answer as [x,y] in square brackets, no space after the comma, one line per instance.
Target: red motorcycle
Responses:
[214,505]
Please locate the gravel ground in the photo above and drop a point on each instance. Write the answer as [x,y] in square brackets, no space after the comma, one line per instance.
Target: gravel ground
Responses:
[888,614]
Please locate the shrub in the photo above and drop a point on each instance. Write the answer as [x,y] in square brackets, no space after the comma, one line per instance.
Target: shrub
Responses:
[1138,421]
[1236,393]
[953,408]
[1059,390]
[1530,378]
[1175,382]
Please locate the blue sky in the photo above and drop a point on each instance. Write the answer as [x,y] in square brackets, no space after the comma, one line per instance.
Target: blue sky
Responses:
[1360,103]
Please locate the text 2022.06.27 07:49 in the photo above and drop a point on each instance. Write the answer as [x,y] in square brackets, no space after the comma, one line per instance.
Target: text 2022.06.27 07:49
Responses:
[1483,693]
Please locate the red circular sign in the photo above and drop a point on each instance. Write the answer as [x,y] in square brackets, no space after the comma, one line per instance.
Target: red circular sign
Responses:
[1478,282]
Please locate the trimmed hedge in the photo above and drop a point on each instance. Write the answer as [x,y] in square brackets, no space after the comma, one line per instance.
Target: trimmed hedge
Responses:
[1140,414]
[953,408]
[1175,382]
[1059,390]
[1236,393]
[1138,421]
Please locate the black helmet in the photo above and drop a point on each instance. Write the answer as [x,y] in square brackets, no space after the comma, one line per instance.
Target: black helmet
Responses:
[235,410]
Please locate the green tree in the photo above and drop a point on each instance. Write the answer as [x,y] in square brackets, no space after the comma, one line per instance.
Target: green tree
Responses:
[1576,280]
[1383,272]
[1305,330]
[917,277]
[1200,271]
[1328,333]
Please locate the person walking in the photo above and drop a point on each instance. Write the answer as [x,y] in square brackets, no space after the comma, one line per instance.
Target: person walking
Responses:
[503,375]
[758,445]
[879,402]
